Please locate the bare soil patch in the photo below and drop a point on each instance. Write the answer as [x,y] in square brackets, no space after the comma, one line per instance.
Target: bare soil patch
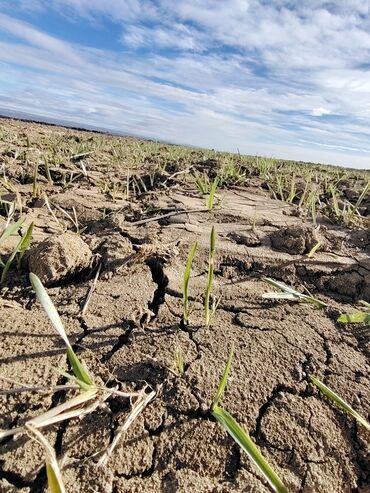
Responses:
[133,323]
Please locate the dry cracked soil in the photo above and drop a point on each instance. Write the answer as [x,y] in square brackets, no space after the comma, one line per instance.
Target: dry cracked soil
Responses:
[133,325]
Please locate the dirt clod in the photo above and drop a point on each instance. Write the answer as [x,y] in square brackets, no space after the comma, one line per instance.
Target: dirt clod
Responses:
[296,239]
[58,257]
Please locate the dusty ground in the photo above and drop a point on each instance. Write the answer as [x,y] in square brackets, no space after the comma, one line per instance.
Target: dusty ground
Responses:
[132,328]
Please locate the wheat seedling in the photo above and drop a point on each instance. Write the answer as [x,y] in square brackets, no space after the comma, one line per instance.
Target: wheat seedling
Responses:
[90,397]
[180,362]
[47,170]
[212,192]
[241,436]
[54,476]
[342,404]
[359,317]
[11,229]
[314,249]
[80,372]
[19,250]
[185,284]
[289,293]
[210,277]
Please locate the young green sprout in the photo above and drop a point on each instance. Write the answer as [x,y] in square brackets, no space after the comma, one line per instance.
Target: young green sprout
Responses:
[289,293]
[359,317]
[81,374]
[314,249]
[241,436]
[19,250]
[180,362]
[342,404]
[185,284]
[212,192]
[211,267]
[55,480]
[11,229]
[91,397]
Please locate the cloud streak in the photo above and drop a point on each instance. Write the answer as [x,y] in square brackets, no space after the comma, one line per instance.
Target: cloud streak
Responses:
[265,77]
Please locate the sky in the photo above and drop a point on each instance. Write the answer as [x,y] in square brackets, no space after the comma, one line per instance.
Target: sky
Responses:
[282,78]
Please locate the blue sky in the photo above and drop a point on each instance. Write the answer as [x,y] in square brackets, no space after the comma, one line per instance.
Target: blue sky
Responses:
[282,78]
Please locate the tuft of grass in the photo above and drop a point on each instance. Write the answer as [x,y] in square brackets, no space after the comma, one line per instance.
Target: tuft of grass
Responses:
[202,183]
[81,374]
[341,403]
[211,268]
[354,210]
[288,293]
[241,436]
[185,284]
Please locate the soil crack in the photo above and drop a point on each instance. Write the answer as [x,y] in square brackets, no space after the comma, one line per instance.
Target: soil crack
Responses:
[159,277]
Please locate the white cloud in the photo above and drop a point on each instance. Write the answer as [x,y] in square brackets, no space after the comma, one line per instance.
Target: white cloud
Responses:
[261,76]
[320,112]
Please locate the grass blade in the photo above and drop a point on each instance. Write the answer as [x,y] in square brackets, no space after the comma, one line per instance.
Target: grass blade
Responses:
[241,436]
[211,266]
[354,318]
[20,248]
[186,280]
[290,293]
[212,193]
[45,301]
[224,378]
[250,448]
[24,244]
[55,480]
[339,401]
[314,249]
[11,229]
[364,303]
[180,362]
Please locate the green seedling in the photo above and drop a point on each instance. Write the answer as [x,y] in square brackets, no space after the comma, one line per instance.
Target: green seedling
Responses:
[19,250]
[293,190]
[81,374]
[335,205]
[54,476]
[47,170]
[89,399]
[210,277]
[359,317]
[349,217]
[314,249]
[35,185]
[185,284]
[202,183]
[241,436]
[342,404]
[212,192]
[289,293]
[11,229]
[180,362]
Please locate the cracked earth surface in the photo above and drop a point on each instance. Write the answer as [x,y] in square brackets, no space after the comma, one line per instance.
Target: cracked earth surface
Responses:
[133,326]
